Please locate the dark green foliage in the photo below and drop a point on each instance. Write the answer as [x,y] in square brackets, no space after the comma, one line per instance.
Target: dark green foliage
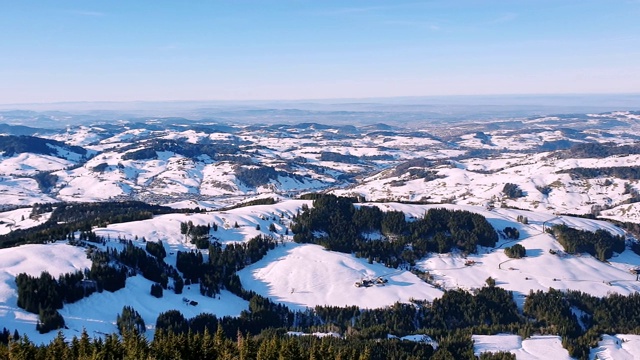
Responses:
[255,175]
[516,251]
[35,293]
[598,150]
[5,335]
[620,172]
[544,190]
[107,277]
[512,191]
[156,290]
[613,314]
[11,145]
[66,219]
[491,282]
[172,321]
[338,225]
[218,150]
[635,247]
[178,285]
[633,192]
[202,243]
[220,269]
[156,249]
[49,319]
[500,355]
[413,164]
[137,259]
[552,309]
[418,169]
[600,244]
[43,295]
[46,180]
[199,234]
[100,168]
[190,264]
[141,154]
[455,345]
[130,321]
[511,233]
[458,309]
[261,201]
[450,321]
[337,157]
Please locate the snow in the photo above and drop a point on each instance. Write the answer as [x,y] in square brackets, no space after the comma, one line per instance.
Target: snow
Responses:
[535,347]
[418,338]
[30,164]
[96,313]
[106,305]
[307,275]
[20,219]
[303,276]
[617,347]
[56,258]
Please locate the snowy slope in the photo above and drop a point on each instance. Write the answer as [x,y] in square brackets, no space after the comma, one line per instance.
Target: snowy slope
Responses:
[533,348]
[307,275]
[617,347]
[96,313]
[20,219]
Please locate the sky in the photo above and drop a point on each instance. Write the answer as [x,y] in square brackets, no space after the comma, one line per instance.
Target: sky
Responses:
[154,50]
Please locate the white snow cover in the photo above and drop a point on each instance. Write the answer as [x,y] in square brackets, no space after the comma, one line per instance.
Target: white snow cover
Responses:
[56,258]
[30,164]
[307,275]
[96,313]
[20,219]
[617,347]
[533,348]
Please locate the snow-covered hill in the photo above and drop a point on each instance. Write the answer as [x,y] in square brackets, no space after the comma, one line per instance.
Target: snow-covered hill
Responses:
[541,168]
[461,163]
[302,276]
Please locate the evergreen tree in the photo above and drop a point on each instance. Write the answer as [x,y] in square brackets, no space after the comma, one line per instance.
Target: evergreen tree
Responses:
[129,320]
[156,290]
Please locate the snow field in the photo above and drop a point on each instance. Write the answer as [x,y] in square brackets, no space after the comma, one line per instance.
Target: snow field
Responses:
[617,347]
[96,313]
[533,348]
[305,275]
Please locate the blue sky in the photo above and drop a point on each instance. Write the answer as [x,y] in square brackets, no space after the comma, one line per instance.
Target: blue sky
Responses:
[53,51]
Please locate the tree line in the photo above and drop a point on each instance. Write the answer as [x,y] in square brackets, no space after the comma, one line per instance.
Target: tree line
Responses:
[68,218]
[335,223]
[600,244]
[450,320]
[219,271]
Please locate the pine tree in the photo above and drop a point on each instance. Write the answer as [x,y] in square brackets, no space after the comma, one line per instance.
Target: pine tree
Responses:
[22,349]
[58,348]
[208,347]
[135,345]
